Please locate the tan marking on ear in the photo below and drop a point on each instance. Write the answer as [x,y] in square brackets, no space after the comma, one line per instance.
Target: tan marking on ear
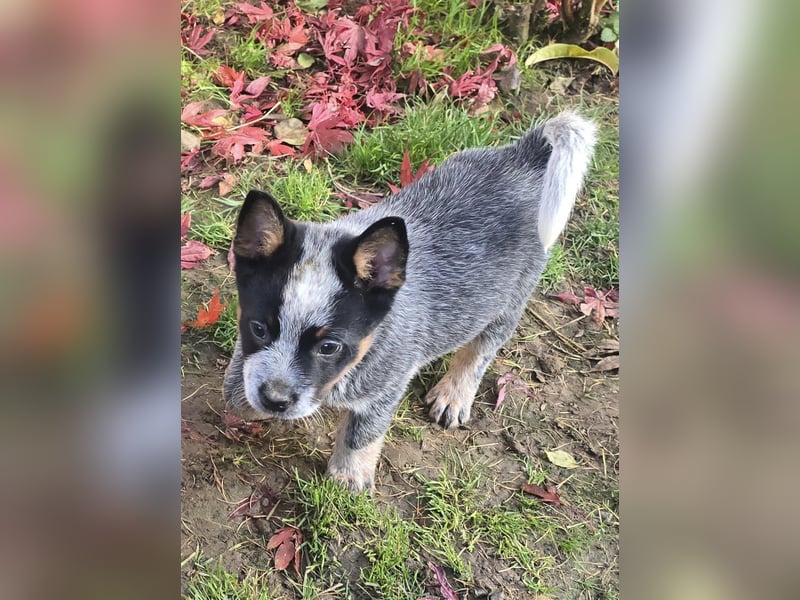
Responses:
[365,255]
[363,347]
[260,236]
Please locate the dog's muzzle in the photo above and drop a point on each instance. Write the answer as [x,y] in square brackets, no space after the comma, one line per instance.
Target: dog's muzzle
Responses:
[276,398]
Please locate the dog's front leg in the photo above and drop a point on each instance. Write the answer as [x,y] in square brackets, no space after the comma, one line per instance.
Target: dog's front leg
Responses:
[359,441]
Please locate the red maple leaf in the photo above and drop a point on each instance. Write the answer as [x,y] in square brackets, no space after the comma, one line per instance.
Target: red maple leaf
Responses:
[195,40]
[232,143]
[596,303]
[192,252]
[226,76]
[255,14]
[186,222]
[383,101]
[407,175]
[192,115]
[276,148]
[567,297]
[210,315]
[325,134]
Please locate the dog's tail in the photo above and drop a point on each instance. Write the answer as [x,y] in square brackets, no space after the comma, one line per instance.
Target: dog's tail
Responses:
[572,139]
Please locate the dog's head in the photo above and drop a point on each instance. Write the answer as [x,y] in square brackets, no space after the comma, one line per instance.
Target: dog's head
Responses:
[310,299]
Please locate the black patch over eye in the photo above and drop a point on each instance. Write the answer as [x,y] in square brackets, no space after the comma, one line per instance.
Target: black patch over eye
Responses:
[258,329]
[329,347]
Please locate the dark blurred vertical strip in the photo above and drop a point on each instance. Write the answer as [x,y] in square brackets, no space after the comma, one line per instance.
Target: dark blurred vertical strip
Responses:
[89,317]
[710,215]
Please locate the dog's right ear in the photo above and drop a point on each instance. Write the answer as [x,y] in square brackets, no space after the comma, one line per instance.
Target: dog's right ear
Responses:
[261,228]
[380,254]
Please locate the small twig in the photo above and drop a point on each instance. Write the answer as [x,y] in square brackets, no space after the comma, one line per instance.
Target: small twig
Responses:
[263,117]
[575,346]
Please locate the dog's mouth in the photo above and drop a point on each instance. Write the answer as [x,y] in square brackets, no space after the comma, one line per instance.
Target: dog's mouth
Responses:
[286,411]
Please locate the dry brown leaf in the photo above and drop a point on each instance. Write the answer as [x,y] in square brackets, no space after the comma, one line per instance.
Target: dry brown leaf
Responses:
[609,363]
[291,131]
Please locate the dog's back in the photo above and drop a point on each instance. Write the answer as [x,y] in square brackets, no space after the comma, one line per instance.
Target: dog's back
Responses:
[479,228]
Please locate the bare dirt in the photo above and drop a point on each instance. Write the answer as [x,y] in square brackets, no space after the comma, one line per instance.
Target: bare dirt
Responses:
[554,400]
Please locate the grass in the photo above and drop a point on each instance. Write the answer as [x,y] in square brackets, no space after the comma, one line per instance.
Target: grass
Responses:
[427,132]
[213,582]
[460,34]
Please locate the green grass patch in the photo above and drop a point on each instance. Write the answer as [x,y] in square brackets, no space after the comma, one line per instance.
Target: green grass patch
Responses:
[331,515]
[214,582]
[427,131]
[248,54]
[459,33]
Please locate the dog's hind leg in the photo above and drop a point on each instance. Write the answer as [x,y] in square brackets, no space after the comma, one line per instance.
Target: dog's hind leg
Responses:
[451,399]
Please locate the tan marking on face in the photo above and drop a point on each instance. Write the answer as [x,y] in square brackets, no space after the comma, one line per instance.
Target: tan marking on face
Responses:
[363,347]
[321,333]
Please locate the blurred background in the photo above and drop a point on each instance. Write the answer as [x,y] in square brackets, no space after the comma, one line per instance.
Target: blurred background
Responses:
[89,317]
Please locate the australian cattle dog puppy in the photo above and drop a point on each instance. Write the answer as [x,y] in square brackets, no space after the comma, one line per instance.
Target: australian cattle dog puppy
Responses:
[345,313]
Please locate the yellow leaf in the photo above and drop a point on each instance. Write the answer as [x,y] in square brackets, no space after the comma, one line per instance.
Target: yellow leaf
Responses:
[562,459]
[600,54]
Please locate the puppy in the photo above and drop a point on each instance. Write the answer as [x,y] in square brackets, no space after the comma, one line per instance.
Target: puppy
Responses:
[344,314]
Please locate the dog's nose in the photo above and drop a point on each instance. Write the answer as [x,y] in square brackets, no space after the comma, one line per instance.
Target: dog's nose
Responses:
[275,402]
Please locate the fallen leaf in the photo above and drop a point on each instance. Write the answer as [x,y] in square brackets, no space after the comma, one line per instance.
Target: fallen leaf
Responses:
[609,363]
[287,541]
[210,315]
[208,181]
[280,537]
[304,60]
[192,252]
[563,459]
[600,54]
[291,131]
[608,345]
[255,14]
[284,555]
[231,258]
[549,495]
[189,141]
[567,297]
[186,222]
[226,184]
[445,589]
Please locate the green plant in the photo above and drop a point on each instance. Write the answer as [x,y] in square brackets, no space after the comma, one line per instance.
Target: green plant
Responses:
[609,24]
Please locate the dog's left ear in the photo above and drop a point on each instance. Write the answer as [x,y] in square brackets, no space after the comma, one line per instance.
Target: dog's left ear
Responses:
[261,228]
[381,253]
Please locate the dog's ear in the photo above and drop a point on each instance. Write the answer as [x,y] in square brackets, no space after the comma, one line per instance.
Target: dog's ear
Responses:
[381,253]
[261,228]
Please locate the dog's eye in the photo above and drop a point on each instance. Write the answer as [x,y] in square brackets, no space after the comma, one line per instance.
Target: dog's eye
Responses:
[329,347]
[258,329]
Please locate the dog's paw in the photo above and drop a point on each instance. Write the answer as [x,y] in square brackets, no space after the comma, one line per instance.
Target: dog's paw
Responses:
[354,468]
[450,405]
[358,480]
